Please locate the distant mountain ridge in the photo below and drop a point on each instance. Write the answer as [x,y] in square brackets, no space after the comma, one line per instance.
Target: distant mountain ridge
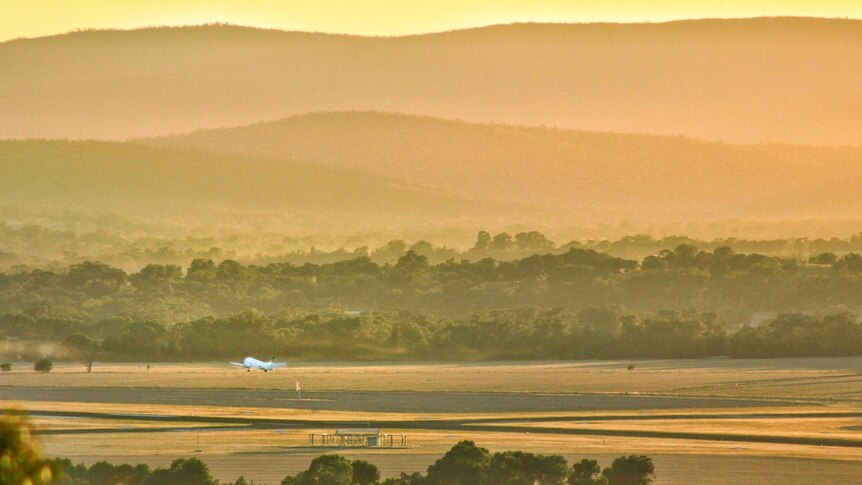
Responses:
[575,174]
[347,172]
[195,187]
[745,80]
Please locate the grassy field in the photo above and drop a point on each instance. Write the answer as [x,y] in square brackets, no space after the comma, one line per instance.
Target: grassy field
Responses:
[578,409]
[815,379]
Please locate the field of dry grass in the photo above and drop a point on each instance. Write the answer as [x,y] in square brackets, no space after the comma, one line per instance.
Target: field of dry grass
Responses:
[816,379]
[268,455]
[126,413]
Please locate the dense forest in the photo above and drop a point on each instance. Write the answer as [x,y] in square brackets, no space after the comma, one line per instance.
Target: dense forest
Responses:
[574,304]
[736,285]
[524,333]
[63,239]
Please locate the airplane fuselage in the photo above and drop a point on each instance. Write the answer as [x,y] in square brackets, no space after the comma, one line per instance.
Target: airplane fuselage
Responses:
[250,363]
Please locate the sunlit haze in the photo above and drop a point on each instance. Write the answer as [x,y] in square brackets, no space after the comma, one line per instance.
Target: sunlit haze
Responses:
[33,18]
[425,242]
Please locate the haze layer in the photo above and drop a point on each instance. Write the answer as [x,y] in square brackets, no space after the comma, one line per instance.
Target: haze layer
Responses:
[759,80]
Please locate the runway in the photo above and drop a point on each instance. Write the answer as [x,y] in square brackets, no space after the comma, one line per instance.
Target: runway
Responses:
[380,401]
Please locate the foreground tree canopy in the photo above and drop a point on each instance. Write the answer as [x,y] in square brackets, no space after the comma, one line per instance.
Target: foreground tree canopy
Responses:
[468,464]
[21,460]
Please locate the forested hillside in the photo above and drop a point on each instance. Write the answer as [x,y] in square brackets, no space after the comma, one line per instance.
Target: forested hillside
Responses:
[751,80]
[347,173]
[161,184]
[574,175]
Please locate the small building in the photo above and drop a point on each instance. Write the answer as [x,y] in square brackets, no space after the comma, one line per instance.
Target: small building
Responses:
[358,437]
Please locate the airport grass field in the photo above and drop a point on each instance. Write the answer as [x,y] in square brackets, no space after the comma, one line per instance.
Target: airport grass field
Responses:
[703,421]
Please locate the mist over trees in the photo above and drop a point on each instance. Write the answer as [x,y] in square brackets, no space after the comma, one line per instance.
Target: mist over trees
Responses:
[523,333]
[574,304]
[734,285]
[63,239]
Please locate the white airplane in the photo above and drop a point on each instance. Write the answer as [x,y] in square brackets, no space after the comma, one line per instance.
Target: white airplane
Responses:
[252,363]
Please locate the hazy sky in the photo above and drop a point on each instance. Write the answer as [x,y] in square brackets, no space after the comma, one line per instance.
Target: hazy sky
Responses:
[32,18]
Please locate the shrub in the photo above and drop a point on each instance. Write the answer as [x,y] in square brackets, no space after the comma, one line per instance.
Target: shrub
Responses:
[43,365]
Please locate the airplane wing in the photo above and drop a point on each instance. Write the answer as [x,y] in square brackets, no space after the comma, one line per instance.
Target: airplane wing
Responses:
[236,363]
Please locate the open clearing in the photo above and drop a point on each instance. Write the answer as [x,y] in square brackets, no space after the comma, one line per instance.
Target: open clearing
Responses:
[704,421]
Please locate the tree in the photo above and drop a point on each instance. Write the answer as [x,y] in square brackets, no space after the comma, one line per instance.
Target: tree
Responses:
[186,471]
[415,478]
[101,473]
[139,338]
[67,473]
[630,470]
[502,242]
[423,248]
[94,279]
[464,464]
[43,365]
[483,241]
[823,258]
[412,262]
[104,473]
[80,347]
[849,262]
[324,470]
[365,473]
[20,457]
[533,241]
[390,252]
[603,319]
[684,255]
[201,271]
[587,472]
[157,276]
[519,468]
[6,367]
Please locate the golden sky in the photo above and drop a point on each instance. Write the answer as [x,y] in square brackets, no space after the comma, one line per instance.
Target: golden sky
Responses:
[32,18]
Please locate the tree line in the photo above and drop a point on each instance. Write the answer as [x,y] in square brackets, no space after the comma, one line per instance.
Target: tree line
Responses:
[521,333]
[735,285]
[468,464]
[464,464]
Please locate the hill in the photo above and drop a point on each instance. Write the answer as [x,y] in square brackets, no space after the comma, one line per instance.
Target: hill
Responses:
[749,80]
[196,188]
[583,176]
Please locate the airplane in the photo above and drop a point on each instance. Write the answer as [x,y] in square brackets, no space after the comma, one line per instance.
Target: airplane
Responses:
[252,363]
